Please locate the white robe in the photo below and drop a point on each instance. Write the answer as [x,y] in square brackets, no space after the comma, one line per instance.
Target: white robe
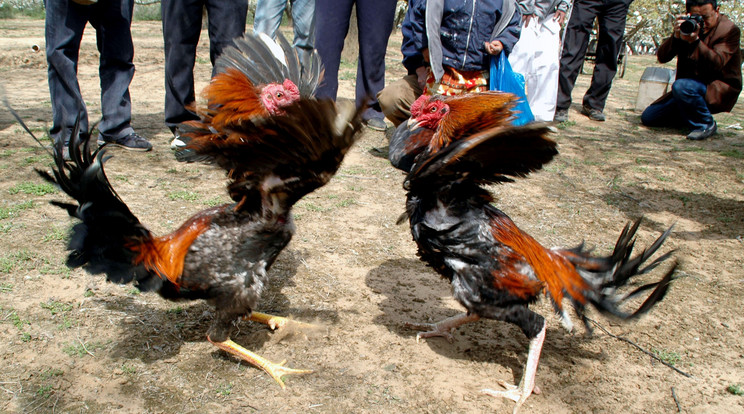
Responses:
[537,56]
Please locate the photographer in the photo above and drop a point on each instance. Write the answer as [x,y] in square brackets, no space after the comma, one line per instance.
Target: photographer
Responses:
[706,44]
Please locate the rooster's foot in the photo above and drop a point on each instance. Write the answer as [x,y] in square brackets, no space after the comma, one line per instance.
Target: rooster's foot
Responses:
[442,328]
[277,371]
[430,330]
[512,392]
[274,322]
[527,386]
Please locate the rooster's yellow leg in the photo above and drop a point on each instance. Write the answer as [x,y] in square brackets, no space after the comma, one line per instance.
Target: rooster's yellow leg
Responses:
[442,328]
[275,370]
[526,386]
[273,321]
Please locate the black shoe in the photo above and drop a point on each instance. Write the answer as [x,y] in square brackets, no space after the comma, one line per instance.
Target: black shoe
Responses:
[376,124]
[593,114]
[133,142]
[701,134]
[561,115]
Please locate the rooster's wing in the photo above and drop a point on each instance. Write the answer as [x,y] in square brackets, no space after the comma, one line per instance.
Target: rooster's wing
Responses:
[490,156]
[294,153]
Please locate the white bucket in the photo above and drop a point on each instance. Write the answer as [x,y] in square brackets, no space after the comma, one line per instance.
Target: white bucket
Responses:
[654,83]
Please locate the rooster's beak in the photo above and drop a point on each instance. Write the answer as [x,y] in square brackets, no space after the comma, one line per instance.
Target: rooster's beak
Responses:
[412,124]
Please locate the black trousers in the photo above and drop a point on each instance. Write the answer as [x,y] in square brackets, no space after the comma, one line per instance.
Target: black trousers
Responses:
[375,20]
[610,15]
[182,23]
[64,26]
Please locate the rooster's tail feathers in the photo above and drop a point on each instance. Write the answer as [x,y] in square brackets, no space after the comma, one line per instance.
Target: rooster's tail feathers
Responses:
[100,242]
[606,275]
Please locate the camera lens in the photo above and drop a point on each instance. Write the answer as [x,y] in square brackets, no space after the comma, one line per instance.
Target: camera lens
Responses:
[688,27]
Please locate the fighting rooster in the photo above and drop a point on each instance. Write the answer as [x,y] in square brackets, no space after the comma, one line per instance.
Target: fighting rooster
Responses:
[455,146]
[255,77]
[222,254]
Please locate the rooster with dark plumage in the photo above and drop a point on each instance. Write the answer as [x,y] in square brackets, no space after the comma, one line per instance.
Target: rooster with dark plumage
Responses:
[275,151]
[451,148]
[255,77]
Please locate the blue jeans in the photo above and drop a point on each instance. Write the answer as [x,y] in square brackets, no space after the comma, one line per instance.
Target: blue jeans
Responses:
[686,107]
[269,16]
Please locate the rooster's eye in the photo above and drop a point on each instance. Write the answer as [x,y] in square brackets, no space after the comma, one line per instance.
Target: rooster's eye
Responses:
[279,94]
[433,109]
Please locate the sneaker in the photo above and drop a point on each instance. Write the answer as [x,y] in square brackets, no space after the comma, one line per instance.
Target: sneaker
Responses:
[376,124]
[65,152]
[561,115]
[133,142]
[177,142]
[701,134]
[593,114]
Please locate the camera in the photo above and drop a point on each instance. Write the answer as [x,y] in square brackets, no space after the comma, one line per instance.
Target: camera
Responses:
[691,23]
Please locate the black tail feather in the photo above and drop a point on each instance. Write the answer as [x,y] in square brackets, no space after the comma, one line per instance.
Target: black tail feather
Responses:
[628,267]
[608,274]
[23,124]
[100,241]
[662,287]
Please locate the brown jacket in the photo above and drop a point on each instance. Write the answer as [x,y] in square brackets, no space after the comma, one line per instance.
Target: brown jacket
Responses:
[715,60]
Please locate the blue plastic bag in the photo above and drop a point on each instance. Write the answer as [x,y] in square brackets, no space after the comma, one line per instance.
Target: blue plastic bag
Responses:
[504,79]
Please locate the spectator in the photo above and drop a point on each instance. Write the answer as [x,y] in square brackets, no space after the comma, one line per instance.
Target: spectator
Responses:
[64,26]
[396,99]
[269,16]
[537,53]
[182,24]
[463,62]
[708,72]
[611,15]
[375,22]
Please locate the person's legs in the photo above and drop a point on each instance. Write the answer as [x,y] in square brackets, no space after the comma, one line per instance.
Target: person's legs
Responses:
[331,26]
[112,20]
[375,20]
[182,21]
[609,40]
[65,22]
[543,90]
[662,114]
[303,17]
[576,41]
[686,107]
[690,94]
[396,99]
[523,53]
[226,20]
[268,16]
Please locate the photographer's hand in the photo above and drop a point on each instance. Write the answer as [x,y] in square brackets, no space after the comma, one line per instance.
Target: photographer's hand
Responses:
[689,38]
[677,23]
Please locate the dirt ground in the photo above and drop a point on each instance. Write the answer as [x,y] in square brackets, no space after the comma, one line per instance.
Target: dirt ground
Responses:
[73,343]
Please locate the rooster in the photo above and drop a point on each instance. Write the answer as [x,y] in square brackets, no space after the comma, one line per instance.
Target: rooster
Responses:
[453,147]
[255,77]
[222,254]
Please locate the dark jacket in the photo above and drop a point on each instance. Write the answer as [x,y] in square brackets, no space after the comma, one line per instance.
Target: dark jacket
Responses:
[715,60]
[466,26]
[412,57]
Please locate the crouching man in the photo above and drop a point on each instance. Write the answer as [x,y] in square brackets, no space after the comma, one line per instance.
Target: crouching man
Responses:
[706,44]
